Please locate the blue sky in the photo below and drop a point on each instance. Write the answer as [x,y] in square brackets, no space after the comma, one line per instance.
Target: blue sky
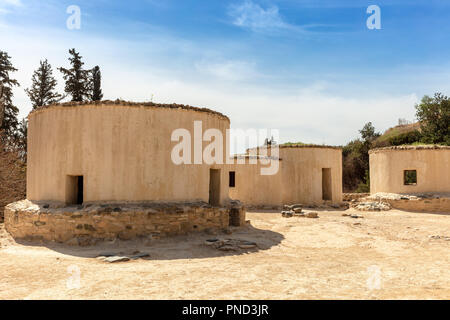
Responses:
[310,68]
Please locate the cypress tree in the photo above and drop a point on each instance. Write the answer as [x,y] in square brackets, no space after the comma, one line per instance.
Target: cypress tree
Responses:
[97,94]
[77,79]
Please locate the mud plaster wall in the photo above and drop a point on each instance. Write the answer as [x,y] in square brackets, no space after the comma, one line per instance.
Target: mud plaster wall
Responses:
[123,152]
[387,170]
[299,179]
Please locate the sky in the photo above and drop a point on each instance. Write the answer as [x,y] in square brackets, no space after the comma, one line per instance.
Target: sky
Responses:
[311,69]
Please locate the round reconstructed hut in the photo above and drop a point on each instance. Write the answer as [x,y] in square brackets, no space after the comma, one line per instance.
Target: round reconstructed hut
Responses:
[307,174]
[105,169]
[410,169]
[421,171]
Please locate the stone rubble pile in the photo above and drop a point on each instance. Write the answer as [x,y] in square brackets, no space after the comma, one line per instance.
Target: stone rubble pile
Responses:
[230,244]
[296,210]
[372,206]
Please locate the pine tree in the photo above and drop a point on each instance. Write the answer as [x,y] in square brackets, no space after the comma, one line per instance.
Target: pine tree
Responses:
[10,111]
[2,110]
[42,91]
[21,139]
[78,83]
[97,94]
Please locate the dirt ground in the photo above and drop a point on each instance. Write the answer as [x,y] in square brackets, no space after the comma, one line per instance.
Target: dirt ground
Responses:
[384,255]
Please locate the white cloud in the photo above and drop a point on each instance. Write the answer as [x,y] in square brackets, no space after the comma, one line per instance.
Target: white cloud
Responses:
[229,70]
[17,3]
[302,112]
[251,15]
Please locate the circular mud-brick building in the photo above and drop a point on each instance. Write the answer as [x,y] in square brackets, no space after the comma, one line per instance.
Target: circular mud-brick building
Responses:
[307,174]
[410,169]
[105,169]
[421,171]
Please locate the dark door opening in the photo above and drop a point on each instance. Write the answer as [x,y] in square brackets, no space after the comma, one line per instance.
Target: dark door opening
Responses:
[214,187]
[75,190]
[232,179]
[326,184]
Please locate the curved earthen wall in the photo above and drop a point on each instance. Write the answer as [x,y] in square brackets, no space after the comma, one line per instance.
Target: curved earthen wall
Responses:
[432,165]
[298,180]
[122,151]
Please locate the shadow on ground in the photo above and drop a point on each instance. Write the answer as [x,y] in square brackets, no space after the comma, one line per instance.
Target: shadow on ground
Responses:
[191,246]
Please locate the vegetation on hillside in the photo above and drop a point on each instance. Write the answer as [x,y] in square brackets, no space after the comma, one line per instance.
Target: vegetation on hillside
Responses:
[433,127]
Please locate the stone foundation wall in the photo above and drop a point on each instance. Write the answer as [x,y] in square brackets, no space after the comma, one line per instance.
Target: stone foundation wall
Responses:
[354,196]
[87,225]
[441,205]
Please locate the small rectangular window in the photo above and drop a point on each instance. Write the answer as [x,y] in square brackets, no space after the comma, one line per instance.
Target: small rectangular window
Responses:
[232,183]
[410,177]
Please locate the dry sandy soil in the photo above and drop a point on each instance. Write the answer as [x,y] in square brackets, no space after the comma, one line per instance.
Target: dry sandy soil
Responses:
[387,255]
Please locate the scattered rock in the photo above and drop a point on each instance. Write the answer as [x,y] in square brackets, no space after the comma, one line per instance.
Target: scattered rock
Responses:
[355,216]
[445,238]
[106,254]
[140,255]
[301,214]
[312,215]
[114,259]
[287,214]
[210,242]
[297,210]
[227,248]
[230,244]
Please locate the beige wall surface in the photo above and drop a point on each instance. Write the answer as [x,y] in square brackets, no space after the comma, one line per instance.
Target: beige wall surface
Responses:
[123,153]
[299,179]
[252,188]
[387,170]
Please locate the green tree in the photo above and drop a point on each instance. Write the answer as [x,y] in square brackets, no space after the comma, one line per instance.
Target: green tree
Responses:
[2,110]
[355,158]
[42,91]
[433,114]
[78,83]
[21,139]
[97,94]
[368,136]
[10,111]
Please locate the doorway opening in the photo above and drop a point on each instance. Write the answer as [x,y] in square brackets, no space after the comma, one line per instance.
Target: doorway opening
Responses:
[214,187]
[232,179]
[326,184]
[74,190]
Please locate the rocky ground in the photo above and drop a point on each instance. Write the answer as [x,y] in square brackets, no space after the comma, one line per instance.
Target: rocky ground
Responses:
[339,255]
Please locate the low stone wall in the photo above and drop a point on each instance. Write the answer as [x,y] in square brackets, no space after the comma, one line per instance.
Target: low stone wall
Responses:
[354,196]
[441,205]
[85,225]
